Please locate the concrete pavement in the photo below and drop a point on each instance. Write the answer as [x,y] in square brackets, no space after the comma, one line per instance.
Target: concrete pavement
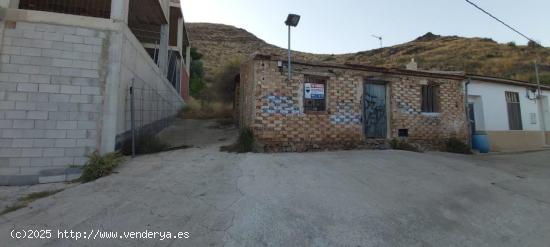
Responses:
[346,198]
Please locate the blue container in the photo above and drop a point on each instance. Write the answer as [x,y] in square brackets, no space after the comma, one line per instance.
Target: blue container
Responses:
[480,142]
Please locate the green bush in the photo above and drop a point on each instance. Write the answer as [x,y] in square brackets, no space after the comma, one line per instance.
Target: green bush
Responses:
[100,165]
[244,144]
[455,145]
[403,145]
[145,144]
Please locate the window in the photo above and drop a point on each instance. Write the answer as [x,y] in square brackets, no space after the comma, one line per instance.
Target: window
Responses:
[430,98]
[514,111]
[314,94]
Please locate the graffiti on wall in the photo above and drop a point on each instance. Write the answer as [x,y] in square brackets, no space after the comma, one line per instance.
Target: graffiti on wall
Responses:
[345,114]
[283,105]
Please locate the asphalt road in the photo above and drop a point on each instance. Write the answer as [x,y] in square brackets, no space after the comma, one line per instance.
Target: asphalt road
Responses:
[346,198]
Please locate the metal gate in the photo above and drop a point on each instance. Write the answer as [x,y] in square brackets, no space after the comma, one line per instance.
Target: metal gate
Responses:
[374,107]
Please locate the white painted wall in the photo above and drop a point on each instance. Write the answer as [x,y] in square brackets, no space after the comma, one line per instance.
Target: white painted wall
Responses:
[494,114]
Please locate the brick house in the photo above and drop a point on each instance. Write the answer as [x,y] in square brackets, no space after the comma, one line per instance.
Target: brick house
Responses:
[335,106]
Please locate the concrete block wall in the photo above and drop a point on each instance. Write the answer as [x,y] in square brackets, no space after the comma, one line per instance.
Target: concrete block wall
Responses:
[155,99]
[50,98]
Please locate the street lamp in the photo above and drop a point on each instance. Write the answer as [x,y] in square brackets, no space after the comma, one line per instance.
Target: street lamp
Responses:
[291,21]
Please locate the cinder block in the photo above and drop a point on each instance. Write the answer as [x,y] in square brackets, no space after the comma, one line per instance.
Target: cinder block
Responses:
[42,143]
[6,124]
[86,143]
[61,79]
[13,33]
[53,36]
[7,105]
[23,124]
[15,114]
[65,143]
[51,53]
[75,152]
[41,61]
[59,98]
[83,64]
[42,43]
[68,106]
[56,134]
[27,87]
[16,96]
[80,98]
[71,72]
[73,39]
[50,71]
[40,115]
[11,50]
[25,26]
[54,152]
[33,52]
[64,161]
[83,48]
[86,32]
[38,97]
[93,41]
[58,62]
[9,68]
[28,69]
[18,78]
[91,90]
[52,179]
[23,105]
[10,152]
[31,152]
[64,46]
[34,133]
[87,125]
[45,124]
[48,88]
[66,29]
[40,79]
[89,73]
[70,89]
[22,143]
[41,162]
[20,162]
[66,125]
[76,134]
[58,116]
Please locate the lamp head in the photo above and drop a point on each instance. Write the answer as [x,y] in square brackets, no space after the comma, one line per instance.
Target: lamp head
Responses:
[292,20]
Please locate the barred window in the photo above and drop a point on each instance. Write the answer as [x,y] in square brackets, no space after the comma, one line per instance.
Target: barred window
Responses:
[514,111]
[315,94]
[430,98]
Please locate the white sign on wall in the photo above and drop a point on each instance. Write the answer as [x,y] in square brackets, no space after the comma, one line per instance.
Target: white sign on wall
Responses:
[314,91]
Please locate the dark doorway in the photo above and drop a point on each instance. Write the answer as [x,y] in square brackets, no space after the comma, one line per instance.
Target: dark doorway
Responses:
[375,116]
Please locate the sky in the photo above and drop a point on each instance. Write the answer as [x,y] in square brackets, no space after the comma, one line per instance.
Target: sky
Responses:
[345,26]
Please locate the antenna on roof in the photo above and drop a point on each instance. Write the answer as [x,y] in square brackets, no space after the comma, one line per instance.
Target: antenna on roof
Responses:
[379,38]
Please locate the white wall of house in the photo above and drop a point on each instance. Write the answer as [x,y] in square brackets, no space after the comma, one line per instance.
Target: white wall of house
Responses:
[490,106]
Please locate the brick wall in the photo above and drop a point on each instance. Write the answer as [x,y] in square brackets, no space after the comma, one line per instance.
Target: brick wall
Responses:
[273,108]
[50,95]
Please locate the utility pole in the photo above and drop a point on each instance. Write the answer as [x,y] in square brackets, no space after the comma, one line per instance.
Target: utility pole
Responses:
[379,38]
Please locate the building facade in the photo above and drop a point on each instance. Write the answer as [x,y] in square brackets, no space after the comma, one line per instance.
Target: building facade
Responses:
[335,106]
[510,113]
[65,75]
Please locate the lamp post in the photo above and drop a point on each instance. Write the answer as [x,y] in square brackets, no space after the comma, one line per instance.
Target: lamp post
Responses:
[291,21]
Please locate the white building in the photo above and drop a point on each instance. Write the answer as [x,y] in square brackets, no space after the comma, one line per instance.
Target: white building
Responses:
[66,68]
[510,112]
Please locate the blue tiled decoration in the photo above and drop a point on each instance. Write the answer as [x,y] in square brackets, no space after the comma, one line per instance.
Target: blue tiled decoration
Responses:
[283,105]
[345,115]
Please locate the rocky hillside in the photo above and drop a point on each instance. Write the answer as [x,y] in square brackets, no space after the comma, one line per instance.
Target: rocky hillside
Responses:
[222,44]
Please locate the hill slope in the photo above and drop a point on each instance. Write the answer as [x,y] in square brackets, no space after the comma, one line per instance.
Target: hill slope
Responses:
[222,44]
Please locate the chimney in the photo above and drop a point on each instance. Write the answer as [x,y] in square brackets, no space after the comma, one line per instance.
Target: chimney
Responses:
[412,65]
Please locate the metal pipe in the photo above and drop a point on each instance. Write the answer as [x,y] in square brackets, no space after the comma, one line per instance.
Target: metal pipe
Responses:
[539,104]
[289,55]
[132,119]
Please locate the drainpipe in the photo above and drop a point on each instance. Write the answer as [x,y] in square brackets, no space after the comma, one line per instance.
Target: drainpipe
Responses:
[468,111]
[539,104]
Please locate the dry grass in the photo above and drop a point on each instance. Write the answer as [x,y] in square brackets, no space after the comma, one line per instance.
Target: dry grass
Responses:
[28,199]
[196,109]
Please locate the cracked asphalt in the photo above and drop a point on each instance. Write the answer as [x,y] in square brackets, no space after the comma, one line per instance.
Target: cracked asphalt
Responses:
[345,198]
